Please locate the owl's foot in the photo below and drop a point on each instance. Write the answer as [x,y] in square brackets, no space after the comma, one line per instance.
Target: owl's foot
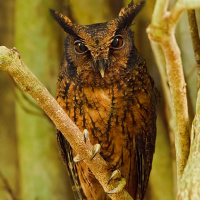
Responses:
[122,183]
[95,150]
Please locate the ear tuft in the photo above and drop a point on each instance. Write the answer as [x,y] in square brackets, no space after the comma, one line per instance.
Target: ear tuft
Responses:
[128,13]
[64,22]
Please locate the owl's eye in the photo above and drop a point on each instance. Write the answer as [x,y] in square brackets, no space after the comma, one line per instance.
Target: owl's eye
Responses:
[117,42]
[80,47]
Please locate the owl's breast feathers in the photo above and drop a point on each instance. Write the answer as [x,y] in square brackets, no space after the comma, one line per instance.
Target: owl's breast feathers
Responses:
[119,113]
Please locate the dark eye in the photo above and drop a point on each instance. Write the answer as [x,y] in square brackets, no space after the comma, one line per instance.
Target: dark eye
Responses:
[117,42]
[80,47]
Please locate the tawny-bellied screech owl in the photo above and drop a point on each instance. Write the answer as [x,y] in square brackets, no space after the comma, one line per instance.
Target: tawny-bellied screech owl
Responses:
[104,87]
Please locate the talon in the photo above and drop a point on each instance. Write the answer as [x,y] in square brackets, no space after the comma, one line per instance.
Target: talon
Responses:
[85,133]
[119,188]
[77,158]
[116,174]
[96,149]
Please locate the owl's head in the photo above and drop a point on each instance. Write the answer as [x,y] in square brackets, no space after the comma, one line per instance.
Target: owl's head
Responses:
[100,48]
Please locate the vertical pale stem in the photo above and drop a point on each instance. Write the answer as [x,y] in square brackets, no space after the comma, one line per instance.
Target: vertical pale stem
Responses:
[179,102]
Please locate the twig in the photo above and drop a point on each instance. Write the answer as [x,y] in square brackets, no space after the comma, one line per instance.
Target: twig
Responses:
[11,62]
[159,11]
[189,189]
[190,183]
[195,40]
[179,102]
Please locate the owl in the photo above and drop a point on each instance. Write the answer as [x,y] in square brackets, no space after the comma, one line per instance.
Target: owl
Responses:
[105,88]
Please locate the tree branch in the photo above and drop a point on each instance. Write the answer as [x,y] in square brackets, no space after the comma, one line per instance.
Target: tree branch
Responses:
[190,183]
[179,7]
[158,14]
[195,40]
[10,61]
[161,30]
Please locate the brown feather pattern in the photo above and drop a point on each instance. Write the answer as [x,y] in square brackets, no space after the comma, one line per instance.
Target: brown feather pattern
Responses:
[118,110]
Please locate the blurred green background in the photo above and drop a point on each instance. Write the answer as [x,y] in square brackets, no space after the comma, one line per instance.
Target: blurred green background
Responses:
[30,164]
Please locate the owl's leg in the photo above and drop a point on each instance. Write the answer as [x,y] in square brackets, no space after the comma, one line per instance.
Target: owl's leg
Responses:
[95,150]
[122,183]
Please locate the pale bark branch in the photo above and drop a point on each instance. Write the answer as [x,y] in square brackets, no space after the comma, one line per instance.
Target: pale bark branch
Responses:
[179,7]
[11,62]
[195,41]
[194,34]
[161,64]
[190,182]
[189,4]
[179,103]
[158,14]
[161,30]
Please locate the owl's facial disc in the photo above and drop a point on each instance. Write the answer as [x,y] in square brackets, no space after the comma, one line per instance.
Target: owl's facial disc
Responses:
[101,63]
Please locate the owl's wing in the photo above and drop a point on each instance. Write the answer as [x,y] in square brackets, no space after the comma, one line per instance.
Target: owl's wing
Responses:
[145,145]
[67,156]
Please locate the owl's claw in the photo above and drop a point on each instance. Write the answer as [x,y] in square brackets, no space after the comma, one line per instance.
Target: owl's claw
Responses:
[77,158]
[119,188]
[122,183]
[85,133]
[95,150]
[116,174]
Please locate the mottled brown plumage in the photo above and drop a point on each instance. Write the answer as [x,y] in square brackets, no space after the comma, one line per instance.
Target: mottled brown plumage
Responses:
[104,87]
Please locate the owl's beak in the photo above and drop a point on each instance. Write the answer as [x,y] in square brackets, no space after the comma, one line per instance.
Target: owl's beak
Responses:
[101,68]
[101,64]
